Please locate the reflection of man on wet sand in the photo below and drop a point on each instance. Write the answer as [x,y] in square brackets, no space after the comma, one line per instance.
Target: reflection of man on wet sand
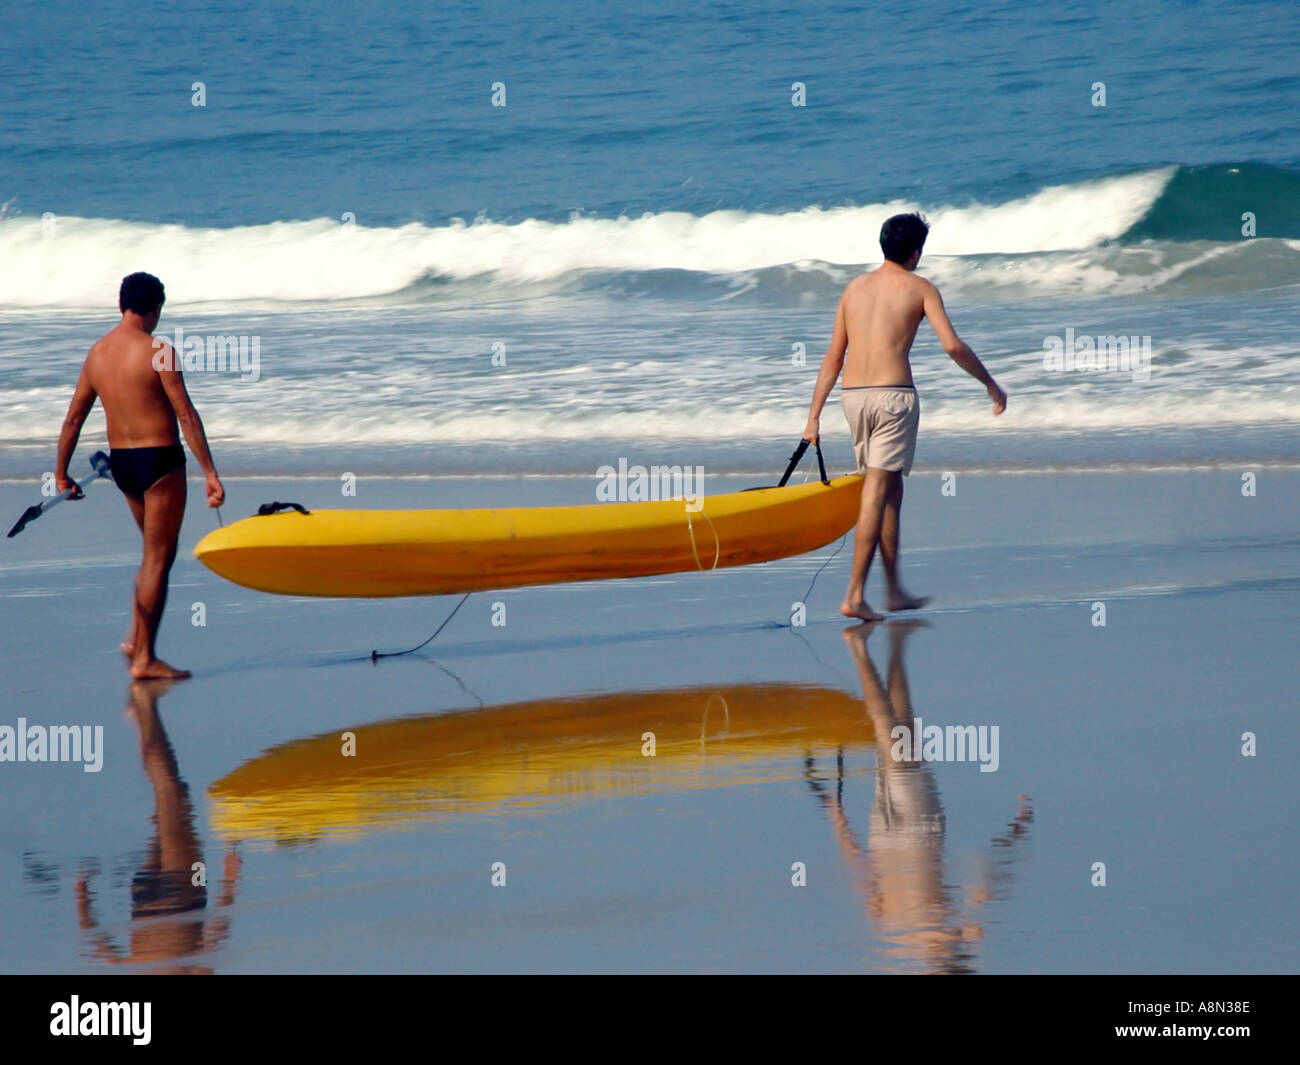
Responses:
[164,887]
[901,869]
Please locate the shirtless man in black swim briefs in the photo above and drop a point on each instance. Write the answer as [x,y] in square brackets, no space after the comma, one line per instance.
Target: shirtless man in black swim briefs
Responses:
[875,325]
[139,382]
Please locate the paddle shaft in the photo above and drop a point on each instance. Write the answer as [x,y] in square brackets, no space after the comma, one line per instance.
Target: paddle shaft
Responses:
[98,462]
[79,485]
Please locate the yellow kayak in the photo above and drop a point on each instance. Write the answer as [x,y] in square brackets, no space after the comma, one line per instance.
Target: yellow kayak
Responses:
[377,553]
[530,753]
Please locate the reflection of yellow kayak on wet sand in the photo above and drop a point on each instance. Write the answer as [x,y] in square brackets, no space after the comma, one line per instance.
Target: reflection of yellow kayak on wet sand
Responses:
[433,552]
[523,754]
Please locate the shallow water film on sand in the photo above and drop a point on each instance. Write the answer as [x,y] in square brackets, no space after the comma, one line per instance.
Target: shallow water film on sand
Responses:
[517,304]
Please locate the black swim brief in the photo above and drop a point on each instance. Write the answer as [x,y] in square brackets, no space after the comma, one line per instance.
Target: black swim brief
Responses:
[156,892]
[136,469]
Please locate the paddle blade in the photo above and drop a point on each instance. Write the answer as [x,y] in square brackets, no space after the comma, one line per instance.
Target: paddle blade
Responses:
[30,514]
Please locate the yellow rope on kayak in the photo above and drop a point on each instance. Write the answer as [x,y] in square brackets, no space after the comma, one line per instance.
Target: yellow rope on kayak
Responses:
[704,725]
[717,544]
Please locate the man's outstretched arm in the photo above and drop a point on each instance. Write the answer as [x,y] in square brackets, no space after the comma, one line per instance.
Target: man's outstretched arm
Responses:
[83,398]
[959,350]
[191,425]
[832,364]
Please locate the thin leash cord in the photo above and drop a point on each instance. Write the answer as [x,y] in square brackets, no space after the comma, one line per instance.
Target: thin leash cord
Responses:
[459,683]
[375,656]
[830,558]
[221,522]
[821,466]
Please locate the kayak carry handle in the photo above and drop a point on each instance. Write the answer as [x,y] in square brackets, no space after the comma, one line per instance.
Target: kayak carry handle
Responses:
[798,454]
[276,507]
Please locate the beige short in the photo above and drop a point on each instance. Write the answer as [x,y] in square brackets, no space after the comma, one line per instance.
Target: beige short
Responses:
[883,422]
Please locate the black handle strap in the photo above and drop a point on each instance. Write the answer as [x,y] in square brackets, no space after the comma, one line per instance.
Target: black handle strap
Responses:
[275,508]
[798,454]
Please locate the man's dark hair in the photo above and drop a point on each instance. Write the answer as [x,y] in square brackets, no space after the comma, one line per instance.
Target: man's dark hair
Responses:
[902,235]
[142,293]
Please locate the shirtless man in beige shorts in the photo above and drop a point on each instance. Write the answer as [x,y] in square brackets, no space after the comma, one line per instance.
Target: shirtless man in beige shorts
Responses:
[875,325]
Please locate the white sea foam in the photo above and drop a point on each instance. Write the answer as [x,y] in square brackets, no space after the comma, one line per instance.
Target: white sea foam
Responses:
[375,420]
[81,261]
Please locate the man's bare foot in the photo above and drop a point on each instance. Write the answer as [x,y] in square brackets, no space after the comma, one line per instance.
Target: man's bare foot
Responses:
[900,600]
[127,648]
[860,610]
[156,669]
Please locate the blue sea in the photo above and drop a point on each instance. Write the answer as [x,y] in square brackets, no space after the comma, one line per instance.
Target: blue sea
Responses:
[639,251]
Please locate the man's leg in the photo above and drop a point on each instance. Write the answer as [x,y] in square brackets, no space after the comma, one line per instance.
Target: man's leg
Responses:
[164,507]
[875,491]
[900,693]
[128,645]
[897,596]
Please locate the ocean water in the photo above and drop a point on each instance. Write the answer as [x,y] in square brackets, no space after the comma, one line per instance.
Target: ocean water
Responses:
[640,252]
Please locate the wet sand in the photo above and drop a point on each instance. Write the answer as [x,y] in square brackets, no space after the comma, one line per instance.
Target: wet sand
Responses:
[526,745]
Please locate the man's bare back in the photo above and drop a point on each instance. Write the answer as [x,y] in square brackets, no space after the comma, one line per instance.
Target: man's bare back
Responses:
[120,371]
[879,315]
[881,312]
